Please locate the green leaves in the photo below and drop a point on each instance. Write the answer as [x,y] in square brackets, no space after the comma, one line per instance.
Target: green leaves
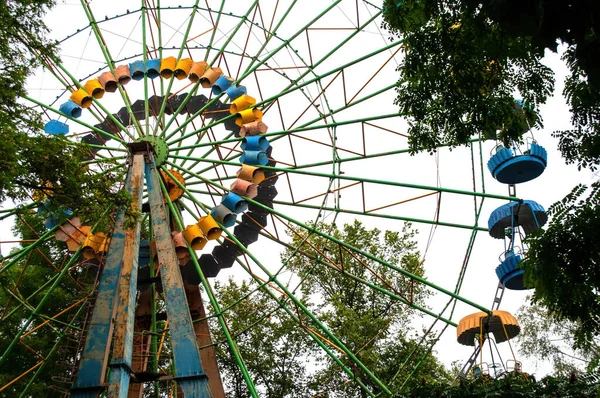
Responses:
[460,73]
[543,338]
[512,385]
[371,324]
[281,356]
[52,169]
[274,347]
[18,285]
[465,60]
[34,165]
[563,263]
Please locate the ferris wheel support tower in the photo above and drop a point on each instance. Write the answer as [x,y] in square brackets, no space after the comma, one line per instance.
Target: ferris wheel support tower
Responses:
[113,317]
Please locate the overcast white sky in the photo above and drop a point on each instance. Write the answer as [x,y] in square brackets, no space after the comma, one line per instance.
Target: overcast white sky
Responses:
[82,57]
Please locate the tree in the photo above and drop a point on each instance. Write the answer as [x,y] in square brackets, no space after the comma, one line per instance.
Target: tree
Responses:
[373,325]
[543,338]
[459,73]
[512,385]
[281,356]
[274,347]
[34,165]
[465,59]
[563,263]
[19,284]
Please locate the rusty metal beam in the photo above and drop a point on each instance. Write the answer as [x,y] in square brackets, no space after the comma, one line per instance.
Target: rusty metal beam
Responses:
[207,349]
[141,341]
[188,368]
[120,366]
[92,367]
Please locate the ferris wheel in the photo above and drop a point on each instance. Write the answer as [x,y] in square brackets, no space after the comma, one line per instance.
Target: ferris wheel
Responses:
[232,122]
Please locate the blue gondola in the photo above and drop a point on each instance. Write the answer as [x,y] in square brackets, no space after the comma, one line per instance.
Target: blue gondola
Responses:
[234,92]
[509,273]
[510,168]
[223,215]
[71,109]
[137,70]
[152,68]
[234,203]
[53,219]
[527,214]
[55,127]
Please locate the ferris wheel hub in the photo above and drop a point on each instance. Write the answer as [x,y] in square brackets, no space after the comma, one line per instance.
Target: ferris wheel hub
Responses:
[159,146]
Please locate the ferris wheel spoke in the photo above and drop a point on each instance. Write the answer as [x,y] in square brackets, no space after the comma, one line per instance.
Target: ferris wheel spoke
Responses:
[5,213]
[320,258]
[348,105]
[307,126]
[19,254]
[43,256]
[144,12]
[358,212]
[187,172]
[101,160]
[33,295]
[110,63]
[309,314]
[369,256]
[215,99]
[43,302]
[213,147]
[253,66]
[196,145]
[164,103]
[276,135]
[215,29]
[272,33]
[296,82]
[42,364]
[243,57]
[326,344]
[159,29]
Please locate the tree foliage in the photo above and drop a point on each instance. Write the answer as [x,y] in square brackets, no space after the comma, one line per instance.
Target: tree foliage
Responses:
[563,263]
[272,344]
[542,338]
[35,165]
[21,283]
[465,60]
[513,384]
[461,68]
[22,38]
[285,361]
[373,325]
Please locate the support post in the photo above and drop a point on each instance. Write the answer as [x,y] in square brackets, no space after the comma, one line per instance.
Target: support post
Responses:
[141,340]
[92,368]
[188,368]
[207,350]
[120,365]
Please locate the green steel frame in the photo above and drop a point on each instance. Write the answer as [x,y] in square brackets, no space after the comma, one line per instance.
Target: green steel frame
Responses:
[196,152]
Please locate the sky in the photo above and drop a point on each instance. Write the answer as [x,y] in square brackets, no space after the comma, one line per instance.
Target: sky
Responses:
[351,78]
